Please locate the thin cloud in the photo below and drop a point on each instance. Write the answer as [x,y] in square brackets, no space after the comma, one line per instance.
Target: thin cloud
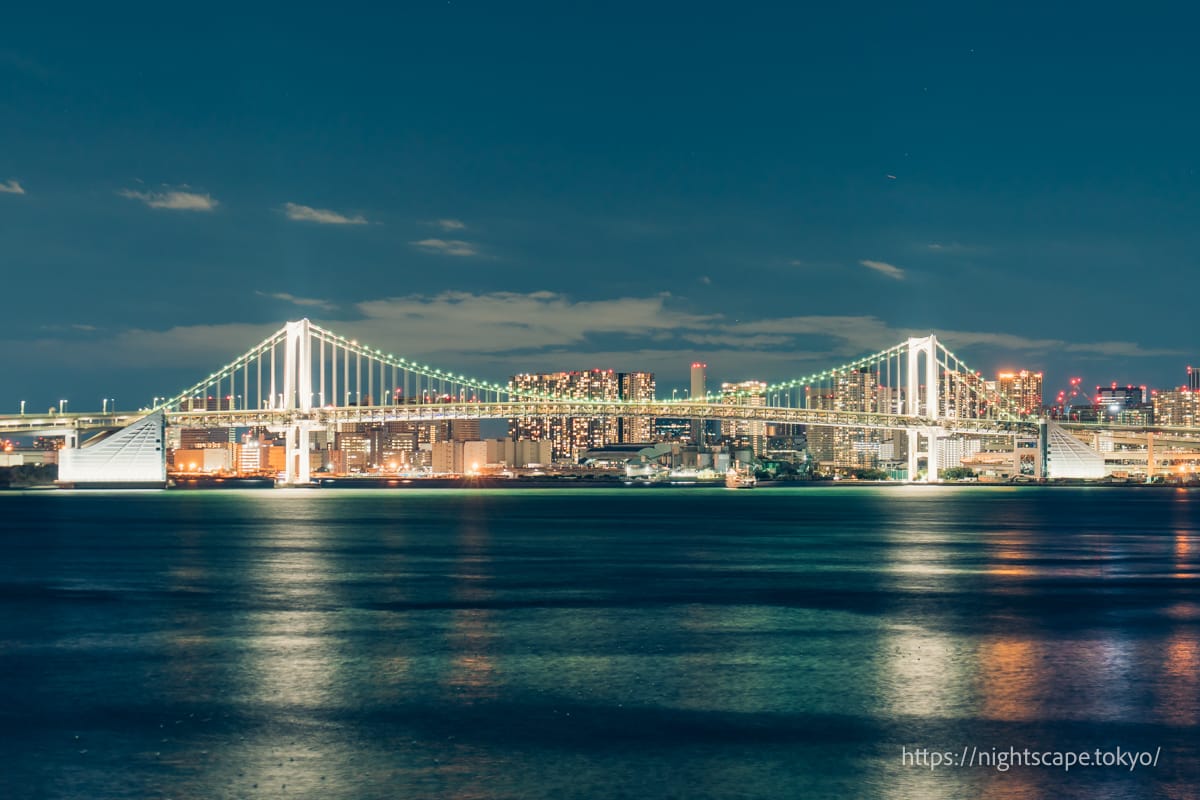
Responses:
[11,187]
[891,270]
[849,335]
[953,248]
[736,340]
[180,199]
[303,302]
[504,321]
[447,247]
[448,224]
[490,335]
[74,326]
[321,216]
[1025,344]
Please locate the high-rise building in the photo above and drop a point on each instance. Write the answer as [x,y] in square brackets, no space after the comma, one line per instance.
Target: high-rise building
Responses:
[353,449]
[399,444]
[1194,378]
[1022,389]
[201,438]
[820,437]
[571,436]
[849,448]
[745,433]
[857,391]
[463,430]
[699,389]
[1177,407]
[1122,396]
[636,387]
[961,395]
[1125,405]
[699,380]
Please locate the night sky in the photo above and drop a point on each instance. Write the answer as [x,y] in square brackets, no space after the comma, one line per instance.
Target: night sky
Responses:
[509,187]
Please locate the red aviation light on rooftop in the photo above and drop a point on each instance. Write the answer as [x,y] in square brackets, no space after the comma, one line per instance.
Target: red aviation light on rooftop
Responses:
[699,364]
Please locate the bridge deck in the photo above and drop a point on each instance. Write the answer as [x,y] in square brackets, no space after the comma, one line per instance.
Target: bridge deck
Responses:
[62,424]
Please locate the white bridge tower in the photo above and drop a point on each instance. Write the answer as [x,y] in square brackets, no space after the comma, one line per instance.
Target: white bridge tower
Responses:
[925,404]
[297,398]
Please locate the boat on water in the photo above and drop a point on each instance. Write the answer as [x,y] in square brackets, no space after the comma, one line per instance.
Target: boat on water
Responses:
[740,478]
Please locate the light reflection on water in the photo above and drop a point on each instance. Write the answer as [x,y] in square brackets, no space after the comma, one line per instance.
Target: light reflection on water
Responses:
[1179,683]
[594,644]
[1009,672]
[926,673]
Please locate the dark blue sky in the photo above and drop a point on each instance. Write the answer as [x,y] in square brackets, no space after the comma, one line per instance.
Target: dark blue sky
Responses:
[496,189]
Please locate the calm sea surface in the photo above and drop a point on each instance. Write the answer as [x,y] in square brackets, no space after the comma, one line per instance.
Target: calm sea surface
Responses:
[696,643]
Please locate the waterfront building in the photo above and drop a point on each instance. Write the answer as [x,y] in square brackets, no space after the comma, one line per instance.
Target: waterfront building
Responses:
[518,453]
[253,455]
[745,433]
[208,459]
[19,456]
[459,457]
[952,450]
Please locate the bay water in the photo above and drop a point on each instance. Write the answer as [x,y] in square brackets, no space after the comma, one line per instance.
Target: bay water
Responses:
[801,642]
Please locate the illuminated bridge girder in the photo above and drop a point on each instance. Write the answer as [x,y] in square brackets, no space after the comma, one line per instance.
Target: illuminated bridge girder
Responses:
[434,412]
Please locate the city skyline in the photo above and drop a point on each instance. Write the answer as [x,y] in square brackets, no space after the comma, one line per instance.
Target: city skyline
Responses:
[1072,394]
[826,187]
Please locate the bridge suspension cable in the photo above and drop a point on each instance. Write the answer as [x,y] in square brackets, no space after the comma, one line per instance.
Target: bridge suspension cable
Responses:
[344,372]
[303,365]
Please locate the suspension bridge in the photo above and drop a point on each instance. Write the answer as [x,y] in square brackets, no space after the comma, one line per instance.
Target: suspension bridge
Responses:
[304,378]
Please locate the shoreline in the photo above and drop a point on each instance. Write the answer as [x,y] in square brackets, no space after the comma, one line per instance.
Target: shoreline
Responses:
[486,484]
